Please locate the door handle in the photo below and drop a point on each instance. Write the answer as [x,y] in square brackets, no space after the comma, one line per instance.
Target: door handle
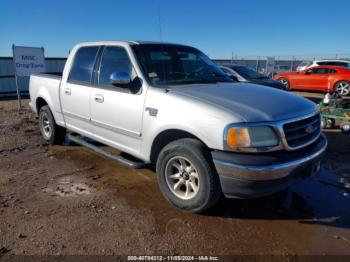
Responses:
[68,91]
[99,98]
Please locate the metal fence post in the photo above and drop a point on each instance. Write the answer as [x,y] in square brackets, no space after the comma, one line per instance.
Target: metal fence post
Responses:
[16,79]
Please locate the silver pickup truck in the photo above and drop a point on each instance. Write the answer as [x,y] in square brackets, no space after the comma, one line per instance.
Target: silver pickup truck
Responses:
[170,106]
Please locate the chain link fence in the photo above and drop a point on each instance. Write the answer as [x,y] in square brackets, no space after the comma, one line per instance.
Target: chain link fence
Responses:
[282,62]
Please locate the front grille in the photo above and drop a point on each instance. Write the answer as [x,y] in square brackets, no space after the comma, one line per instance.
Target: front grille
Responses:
[302,132]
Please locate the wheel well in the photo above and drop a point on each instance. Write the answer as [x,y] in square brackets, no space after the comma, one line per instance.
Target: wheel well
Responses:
[166,137]
[40,102]
[339,82]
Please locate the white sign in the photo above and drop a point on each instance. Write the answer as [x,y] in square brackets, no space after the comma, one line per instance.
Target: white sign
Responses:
[28,60]
[270,64]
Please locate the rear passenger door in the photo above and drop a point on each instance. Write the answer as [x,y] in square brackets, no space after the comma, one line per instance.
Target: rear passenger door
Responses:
[116,111]
[75,92]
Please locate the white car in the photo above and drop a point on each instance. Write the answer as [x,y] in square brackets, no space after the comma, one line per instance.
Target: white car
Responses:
[335,62]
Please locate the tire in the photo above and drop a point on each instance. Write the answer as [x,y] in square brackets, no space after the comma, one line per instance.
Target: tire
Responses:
[342,88]
[285,82]
[50,131]
[195,188]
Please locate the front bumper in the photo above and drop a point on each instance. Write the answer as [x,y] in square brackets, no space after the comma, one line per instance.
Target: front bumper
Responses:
[255,175]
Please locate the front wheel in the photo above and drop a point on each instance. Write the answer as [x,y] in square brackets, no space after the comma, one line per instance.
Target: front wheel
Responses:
[342,88]
[50,131]
[187,176]
[285,82]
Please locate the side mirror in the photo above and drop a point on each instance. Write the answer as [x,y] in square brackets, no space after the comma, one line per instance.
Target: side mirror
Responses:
[121,79]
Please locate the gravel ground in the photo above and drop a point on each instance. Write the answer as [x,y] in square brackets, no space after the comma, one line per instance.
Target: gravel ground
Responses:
[66,200]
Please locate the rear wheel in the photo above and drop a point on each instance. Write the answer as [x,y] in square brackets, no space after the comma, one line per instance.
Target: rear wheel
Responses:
[187,176]
[285,82]
[52,133]
[342,88]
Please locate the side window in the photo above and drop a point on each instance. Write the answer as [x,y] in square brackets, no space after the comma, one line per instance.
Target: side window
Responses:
[83,64]
[114,59]
[317,71]
[341,64]
[310,71]
[332,71]
[322,71]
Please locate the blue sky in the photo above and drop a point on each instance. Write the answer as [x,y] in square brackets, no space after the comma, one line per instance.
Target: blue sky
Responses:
[244,27]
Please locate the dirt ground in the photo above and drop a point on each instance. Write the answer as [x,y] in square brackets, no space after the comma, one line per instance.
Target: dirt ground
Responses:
[66,200]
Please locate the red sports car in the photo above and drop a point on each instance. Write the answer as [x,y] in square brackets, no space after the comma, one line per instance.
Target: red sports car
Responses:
[318,78]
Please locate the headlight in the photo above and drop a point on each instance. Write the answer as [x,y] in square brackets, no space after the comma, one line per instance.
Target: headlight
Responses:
[250,137]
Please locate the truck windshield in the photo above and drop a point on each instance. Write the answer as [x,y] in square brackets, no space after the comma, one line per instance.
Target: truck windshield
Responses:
[166,64]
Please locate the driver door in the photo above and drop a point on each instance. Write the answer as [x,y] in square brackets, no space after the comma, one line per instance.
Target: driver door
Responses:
[313,79]
[116,111]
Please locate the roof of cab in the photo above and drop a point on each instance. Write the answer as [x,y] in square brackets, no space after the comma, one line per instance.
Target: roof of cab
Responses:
[128,42]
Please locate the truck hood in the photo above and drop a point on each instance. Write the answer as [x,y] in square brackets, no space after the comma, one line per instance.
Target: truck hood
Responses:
[248,102]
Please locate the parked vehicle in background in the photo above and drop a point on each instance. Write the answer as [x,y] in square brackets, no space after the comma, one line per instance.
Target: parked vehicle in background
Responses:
[303,65]
[319,78]
[248,75]
[331,62]
[171,106]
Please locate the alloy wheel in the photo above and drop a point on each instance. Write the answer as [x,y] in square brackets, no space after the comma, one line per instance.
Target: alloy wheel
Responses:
[343,88]
[46,125]
[285,82]
[182,177]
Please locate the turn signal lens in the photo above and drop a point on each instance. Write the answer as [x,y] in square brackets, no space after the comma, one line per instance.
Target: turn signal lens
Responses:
[238,137]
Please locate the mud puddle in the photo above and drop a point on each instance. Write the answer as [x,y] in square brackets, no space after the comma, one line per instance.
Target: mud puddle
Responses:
[323,196]
[313,216]
[67,187]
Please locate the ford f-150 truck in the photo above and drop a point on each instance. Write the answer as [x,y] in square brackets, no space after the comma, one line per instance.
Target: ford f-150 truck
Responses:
[169,106]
